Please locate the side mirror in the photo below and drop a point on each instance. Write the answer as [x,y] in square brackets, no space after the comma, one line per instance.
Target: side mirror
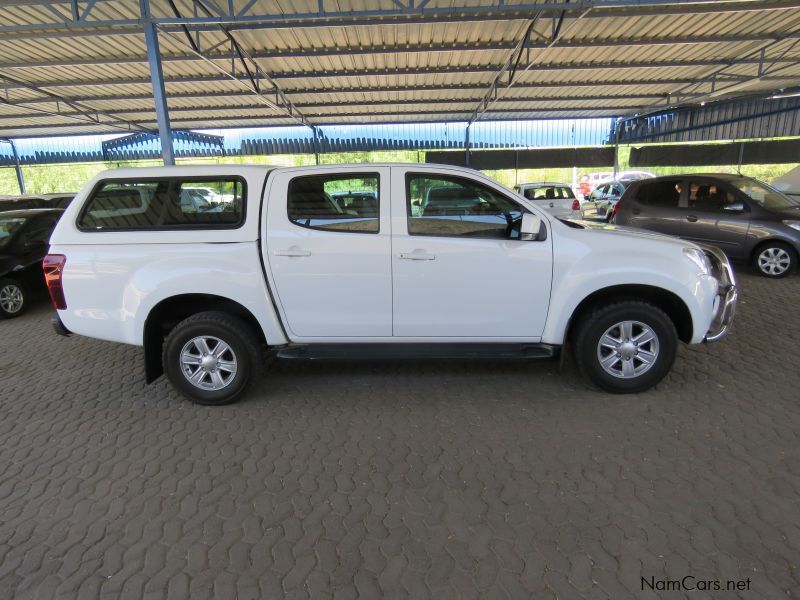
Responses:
[735,207]
[530,227]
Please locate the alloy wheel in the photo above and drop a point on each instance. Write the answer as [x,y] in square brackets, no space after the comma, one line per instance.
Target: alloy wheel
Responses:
[774,261]
[628,349]
[208,363]
[11,298]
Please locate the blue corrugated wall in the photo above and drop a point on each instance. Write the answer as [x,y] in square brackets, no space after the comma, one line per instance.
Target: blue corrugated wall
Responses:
[333,138]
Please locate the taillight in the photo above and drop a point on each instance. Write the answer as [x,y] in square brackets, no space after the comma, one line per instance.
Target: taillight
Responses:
[615,210]
[53,266]
[576,205]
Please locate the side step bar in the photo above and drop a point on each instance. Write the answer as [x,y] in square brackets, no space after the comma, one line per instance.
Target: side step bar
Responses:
[416,350]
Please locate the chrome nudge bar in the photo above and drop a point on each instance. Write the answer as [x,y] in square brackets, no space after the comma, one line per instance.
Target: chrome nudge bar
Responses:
[728,293]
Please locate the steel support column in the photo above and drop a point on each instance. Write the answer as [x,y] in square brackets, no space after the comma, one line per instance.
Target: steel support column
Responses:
[157,77]
[17,167]
[617,126]
[466,144]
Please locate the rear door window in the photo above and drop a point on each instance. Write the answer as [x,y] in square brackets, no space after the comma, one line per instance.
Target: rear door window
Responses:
[707,196]
[662,194]
[168,203]
[340,202]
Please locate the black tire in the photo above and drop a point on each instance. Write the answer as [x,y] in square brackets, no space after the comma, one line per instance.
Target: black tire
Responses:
[244,346]
[11,292]
[778,250]
[593,325]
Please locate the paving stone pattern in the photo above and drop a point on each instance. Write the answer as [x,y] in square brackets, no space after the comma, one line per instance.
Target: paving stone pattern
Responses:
[402,479]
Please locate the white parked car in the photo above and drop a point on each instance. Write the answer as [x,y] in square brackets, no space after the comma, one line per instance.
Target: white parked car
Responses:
[476,272]
[556,198]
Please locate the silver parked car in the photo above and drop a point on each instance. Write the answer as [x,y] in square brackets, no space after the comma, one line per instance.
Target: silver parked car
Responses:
[599,204]
[747,219]
[556,198]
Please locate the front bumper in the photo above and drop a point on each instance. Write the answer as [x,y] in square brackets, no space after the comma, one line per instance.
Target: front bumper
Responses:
[727,294]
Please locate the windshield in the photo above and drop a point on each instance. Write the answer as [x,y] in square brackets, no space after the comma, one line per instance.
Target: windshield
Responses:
[8,226]
[763,195]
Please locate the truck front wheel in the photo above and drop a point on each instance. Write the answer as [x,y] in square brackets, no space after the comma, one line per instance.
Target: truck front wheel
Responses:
[211,357]
[625,347]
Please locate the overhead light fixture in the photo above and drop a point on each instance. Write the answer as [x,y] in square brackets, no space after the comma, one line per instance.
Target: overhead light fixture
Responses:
[787,95]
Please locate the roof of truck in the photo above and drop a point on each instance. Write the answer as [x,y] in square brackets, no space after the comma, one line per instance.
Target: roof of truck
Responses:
[193,170]
[216,170]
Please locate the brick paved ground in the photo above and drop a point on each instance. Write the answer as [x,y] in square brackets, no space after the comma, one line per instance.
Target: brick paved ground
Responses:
[446,480]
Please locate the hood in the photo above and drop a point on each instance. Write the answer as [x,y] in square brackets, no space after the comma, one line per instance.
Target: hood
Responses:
[787,213]
[632,232]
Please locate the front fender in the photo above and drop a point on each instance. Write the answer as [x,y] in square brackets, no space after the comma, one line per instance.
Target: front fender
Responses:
[599,261]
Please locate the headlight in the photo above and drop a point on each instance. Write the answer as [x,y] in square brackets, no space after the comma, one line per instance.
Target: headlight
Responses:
[699,258]
[793,224]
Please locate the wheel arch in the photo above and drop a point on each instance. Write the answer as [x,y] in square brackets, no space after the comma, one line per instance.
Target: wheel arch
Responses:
[675,308]
[773,240]
[171,311]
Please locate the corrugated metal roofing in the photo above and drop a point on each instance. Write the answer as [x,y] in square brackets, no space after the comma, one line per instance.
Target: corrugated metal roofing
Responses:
[374,61]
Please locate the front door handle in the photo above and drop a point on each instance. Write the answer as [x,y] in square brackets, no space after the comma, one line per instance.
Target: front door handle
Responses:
[691,218]
[417,256]
[295,252]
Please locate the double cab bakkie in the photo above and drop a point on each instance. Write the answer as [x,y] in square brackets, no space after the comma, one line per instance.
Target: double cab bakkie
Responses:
[371,260]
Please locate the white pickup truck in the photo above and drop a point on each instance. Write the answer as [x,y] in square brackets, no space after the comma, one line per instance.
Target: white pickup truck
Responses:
[365,261]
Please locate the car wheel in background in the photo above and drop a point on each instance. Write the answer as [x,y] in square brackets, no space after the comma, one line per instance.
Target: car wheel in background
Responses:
[211,357]
[775,259]
[13,298]
[625,347]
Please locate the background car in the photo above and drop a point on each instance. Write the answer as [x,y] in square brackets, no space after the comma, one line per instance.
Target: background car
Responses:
[24,239]
[361,202]
[35,201]
[601,201]
[556,198]
[628,176]
[744,217]
[589,181]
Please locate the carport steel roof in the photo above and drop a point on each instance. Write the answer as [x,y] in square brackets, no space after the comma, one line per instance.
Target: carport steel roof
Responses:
[103,66]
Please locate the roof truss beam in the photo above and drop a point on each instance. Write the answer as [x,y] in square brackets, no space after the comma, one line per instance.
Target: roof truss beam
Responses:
[274,97]
[80,111]
[55,84]
[369,90]
[768,68]
[175,110]
[63,22]
[402,49]
[457,114]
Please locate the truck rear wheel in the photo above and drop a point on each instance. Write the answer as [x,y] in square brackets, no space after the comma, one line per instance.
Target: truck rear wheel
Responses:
[211,357]
[625,347]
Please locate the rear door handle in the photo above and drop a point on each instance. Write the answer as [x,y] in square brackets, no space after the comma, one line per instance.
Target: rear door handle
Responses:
[636,211]
[296,252]
[691,218]
[417,256]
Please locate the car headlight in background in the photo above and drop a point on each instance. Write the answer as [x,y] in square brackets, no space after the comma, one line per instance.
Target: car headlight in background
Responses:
[792,224]
[699,258]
